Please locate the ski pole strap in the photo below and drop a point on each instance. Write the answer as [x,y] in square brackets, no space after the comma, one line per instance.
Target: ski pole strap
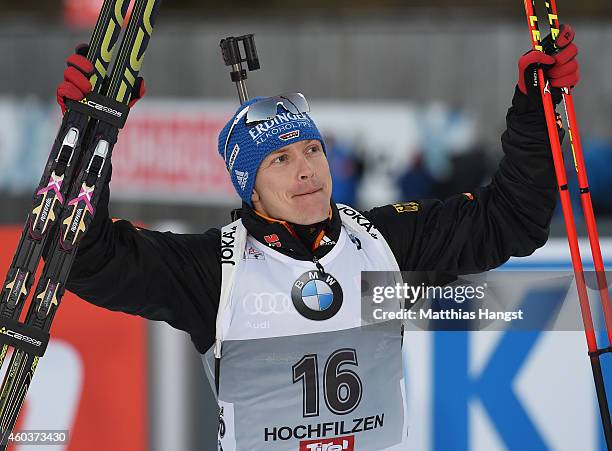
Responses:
[102,108]
[26,338]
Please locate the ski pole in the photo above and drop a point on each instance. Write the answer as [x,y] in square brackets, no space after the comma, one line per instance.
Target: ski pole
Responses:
[55,183]
[572,236]
[583,183]
[589,216]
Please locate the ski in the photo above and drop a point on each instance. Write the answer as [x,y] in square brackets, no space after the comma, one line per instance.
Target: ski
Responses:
[549,46]
[54,186]
[65,202]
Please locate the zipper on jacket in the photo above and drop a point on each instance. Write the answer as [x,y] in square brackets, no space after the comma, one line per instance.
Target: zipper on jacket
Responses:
[318,264]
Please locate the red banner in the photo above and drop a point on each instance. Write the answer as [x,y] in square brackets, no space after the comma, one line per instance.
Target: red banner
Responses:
[167,154]
[92,380]
[82,13]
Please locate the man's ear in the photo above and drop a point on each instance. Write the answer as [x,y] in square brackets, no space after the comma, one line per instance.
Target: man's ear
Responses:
[255,196]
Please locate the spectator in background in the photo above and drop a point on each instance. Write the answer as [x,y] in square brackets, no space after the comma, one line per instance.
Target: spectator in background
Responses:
[417,180]
[451,159]
[346,168]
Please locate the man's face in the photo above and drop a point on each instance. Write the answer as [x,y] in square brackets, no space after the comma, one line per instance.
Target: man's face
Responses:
[294,184]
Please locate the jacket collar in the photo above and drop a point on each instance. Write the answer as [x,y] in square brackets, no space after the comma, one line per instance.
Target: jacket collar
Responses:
[296,241]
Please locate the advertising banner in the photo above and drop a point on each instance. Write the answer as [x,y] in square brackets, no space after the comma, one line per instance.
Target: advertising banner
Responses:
[500,390]
[92,380]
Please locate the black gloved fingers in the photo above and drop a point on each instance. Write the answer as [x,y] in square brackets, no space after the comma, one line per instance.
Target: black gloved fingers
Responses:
[138,86]
[138,91]
[82,49]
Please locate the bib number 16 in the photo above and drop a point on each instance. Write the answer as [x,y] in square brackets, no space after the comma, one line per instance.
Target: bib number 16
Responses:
[342,388]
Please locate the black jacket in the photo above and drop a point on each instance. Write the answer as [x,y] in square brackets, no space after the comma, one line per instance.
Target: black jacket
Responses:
[177,278]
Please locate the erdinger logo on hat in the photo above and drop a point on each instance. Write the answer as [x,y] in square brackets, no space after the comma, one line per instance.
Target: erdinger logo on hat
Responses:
[316,296]
[284,124]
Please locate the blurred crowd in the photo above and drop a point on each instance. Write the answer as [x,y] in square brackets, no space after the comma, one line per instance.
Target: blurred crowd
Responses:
[451,158]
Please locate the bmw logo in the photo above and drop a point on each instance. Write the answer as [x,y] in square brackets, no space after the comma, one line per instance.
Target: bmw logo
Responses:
[316,296]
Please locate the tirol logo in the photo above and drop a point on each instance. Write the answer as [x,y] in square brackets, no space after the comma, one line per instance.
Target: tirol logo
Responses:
[227,246]
[316,295]
[291,135]
[346,443]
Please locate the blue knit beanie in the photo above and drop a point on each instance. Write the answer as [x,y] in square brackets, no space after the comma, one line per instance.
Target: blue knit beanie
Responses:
[250,144]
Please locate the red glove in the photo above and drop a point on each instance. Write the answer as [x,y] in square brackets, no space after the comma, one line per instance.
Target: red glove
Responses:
[561,68]
[76,83]
[76,77]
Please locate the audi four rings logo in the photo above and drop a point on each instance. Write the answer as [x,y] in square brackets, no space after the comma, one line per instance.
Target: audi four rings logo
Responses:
[316,296]
[268,304]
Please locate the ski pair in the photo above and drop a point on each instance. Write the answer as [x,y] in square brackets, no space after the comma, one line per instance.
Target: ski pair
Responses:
[593,350]
[66,198]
